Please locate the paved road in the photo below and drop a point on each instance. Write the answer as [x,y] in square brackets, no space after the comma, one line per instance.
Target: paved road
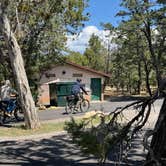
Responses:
[106,106]
[59,113]
[54,151]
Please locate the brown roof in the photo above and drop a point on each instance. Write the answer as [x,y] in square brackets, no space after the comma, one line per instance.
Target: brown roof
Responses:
[88,69]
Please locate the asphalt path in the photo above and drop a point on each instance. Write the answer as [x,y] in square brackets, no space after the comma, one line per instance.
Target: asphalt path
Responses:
[105,106]
[60,113]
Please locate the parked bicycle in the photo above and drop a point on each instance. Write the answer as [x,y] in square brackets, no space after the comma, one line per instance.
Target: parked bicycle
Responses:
[16,112]
[81,105]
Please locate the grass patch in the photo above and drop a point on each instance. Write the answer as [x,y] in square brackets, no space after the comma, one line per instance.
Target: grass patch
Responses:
[19,129]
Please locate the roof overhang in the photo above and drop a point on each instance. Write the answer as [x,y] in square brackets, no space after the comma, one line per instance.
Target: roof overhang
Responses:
[88,69]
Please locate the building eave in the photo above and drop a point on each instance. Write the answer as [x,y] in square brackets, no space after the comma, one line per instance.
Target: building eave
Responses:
[88,69]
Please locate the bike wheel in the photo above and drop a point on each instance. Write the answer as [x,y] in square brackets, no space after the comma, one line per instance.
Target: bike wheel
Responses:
[69,107]
[84,105]
[1,117]
[18,114]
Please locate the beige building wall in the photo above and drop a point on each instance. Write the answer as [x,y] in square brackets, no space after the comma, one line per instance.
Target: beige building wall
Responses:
[66,73]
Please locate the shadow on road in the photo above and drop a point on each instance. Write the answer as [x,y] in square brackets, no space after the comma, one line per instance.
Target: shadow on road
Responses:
[57,150]
[124,98]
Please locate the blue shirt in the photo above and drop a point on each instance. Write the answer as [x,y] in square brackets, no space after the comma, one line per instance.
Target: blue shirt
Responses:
[76,88]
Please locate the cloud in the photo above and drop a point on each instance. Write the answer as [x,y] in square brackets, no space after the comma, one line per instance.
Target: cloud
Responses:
[79,42]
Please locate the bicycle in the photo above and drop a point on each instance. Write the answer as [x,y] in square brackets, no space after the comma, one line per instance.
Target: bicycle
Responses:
[82,104]
[16,112]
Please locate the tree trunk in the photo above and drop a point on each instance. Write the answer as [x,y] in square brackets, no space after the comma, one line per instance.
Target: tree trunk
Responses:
[147,78]
[147,72]
[28,106]
[155,62]
[140,78]
[139,66]
[158,143]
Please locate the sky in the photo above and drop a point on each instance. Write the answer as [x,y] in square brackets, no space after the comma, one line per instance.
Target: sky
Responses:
[101,11]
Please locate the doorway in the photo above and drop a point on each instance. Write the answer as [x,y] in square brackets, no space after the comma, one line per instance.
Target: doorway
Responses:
[95,88]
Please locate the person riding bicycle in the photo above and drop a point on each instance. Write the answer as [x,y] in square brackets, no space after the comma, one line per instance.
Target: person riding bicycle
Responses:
[76,89]
[5,94]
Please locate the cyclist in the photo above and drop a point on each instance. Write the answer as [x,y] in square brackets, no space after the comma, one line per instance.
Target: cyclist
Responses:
[76,89]
[5,93]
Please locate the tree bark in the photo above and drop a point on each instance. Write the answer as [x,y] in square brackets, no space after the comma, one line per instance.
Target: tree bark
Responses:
[155,62]
[158,143]
[147,72]
[140,78]
[147,78]
[27,103]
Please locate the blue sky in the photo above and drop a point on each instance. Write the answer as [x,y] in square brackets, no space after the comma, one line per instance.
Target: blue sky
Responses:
[101,11]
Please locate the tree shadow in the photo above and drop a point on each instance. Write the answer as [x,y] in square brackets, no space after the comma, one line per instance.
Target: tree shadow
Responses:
[124,98]
[57,150]
[134,156]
